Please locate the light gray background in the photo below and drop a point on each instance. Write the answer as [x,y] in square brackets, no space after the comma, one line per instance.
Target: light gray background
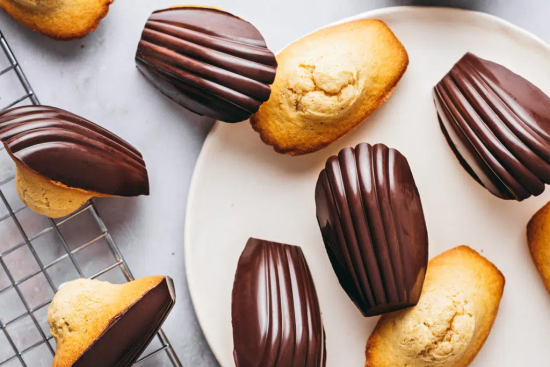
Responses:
[96,78]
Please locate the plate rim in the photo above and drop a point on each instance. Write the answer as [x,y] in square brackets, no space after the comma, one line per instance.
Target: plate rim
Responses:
[209,140]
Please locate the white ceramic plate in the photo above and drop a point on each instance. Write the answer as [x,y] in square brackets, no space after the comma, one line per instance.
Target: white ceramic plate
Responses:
[242,188]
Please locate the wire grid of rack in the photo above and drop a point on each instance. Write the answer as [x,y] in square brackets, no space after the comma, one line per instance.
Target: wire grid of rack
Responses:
[32,345]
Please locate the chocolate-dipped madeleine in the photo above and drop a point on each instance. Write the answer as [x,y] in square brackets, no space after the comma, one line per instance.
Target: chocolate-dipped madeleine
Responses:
[275,311]
[63,160]
[207,60]
[498,125]
[373,227]
[101,324]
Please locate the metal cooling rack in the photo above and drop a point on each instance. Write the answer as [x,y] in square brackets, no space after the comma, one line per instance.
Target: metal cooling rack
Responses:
[30,276]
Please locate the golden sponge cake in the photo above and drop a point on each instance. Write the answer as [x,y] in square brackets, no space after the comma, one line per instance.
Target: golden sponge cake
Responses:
[329,82]
[538,238]
[452,320]
[58,19]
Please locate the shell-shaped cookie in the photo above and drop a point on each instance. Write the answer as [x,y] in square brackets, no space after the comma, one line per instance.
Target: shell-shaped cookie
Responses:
[453,318]
[373,227]
[328,83]
[498,125]
[58,19]
[69,149]
[101,324]
[207,60]
[276,315]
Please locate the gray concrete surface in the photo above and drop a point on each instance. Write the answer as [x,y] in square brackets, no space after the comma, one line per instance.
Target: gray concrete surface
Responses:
[96,78]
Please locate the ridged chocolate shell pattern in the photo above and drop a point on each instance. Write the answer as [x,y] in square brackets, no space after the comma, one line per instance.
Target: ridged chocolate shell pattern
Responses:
[276,315]
[498,125]
[67,148]
[207,60]
[129,334]
[373,227]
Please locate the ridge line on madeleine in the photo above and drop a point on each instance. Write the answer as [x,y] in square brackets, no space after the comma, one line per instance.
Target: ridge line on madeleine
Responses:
[63,160]
[58,19]
[328,83]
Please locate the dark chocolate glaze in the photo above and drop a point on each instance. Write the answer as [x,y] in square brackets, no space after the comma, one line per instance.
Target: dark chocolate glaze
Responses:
[373,227]
[209,61]
[276,315]
[498,126]
[128,335]
[74,151]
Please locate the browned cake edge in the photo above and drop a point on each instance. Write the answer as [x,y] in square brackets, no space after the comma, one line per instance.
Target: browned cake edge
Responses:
[373,359]
[310,148]
[538,240]
[19,14]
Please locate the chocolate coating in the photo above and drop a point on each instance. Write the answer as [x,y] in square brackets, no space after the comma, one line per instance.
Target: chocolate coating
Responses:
[276,316]
[69,149]
[128,335]
[207,60]
[498,126]
[373,227]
